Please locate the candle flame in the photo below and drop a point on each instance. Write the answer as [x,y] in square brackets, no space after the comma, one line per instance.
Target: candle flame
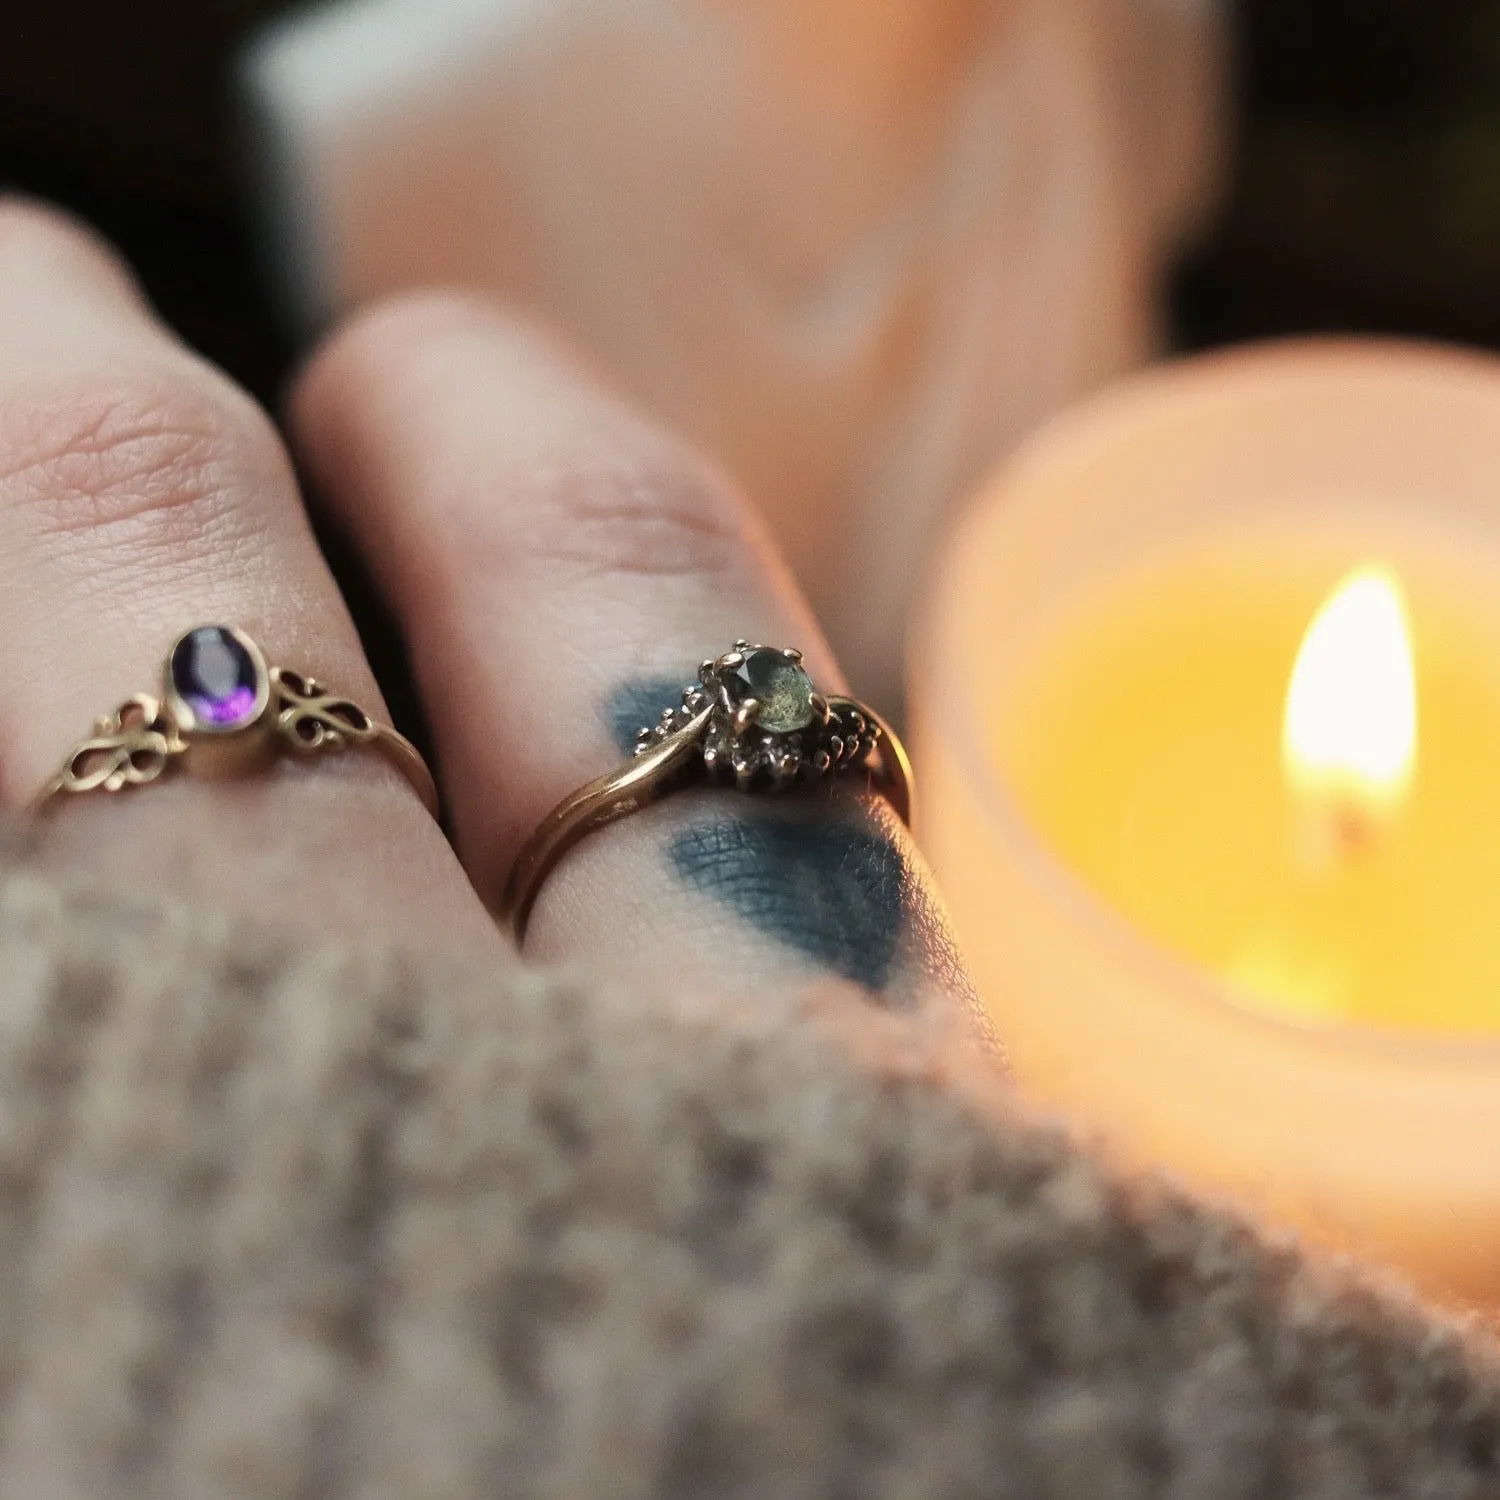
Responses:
[1349,739]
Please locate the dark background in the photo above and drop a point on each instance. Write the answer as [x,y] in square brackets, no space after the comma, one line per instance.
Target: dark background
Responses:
[1366,191]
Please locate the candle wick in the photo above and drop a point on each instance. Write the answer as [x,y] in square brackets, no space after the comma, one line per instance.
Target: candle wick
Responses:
[1333,832]
[1354,829]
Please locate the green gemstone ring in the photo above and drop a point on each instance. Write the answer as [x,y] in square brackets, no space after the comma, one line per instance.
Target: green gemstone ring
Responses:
[753,719]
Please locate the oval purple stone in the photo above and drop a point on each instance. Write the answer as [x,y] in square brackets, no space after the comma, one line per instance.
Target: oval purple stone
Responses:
[216,677]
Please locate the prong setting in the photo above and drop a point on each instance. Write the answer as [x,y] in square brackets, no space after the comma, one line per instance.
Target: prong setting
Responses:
[762,722]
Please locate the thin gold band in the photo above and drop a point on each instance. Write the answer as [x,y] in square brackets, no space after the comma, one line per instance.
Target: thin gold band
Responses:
[687,741]
[261,712]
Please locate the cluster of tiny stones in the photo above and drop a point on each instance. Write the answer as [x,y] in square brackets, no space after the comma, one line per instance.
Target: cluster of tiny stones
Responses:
[768,725]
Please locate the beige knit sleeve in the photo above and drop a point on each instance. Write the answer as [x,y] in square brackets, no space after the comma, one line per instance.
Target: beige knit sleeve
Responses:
[287,1221]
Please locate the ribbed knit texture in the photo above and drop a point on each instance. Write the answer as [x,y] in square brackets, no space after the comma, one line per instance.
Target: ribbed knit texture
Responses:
[282,1221]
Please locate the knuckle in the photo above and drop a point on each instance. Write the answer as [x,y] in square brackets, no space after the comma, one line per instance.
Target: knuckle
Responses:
[407,321]
[662,516]
[598,490]
[391,340]
[45,232]
[148,454]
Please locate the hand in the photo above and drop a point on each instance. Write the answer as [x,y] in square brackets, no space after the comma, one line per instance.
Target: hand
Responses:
[558,567]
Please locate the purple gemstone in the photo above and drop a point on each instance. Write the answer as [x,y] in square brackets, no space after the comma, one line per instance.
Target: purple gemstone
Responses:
[216,677]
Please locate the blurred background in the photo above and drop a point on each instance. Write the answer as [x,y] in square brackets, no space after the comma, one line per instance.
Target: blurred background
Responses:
[1364,191]
[1359,171]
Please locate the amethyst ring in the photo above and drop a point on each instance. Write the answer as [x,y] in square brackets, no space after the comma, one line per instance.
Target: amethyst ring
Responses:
[754,720]
[224,712]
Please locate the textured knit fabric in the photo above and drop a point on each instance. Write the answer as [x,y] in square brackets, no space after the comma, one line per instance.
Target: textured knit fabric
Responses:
[286,1221]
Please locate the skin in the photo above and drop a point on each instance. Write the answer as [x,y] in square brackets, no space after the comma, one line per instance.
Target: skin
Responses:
[830,890]
[553,561]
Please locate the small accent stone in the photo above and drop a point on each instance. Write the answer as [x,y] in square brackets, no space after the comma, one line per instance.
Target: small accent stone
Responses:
[216,677]
[783,690]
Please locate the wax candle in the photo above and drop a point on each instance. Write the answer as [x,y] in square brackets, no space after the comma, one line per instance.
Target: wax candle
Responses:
[1148,745]
[1209,719]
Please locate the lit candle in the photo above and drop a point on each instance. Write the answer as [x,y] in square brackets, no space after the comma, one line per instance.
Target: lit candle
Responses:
[1209,718]
[1349,733]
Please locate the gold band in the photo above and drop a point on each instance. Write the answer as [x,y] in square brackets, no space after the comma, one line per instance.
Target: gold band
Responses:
[786,735]
[224,713]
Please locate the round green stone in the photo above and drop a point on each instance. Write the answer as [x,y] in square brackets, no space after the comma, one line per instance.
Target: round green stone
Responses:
[783,690]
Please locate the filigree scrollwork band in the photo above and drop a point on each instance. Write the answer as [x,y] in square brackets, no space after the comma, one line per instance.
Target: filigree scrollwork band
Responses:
[224,712]
[131,747]
[313,720]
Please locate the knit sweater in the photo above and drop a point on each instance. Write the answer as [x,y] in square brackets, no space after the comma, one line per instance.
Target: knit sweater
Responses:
[281,1219]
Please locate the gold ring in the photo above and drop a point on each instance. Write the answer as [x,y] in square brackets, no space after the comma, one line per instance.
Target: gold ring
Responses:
[223,712]
[753,718]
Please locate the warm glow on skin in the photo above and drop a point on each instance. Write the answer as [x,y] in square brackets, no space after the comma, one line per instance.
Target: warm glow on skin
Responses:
[1349,738]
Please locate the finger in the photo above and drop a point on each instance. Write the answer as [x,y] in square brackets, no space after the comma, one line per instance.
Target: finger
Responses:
[561,569]
[141,495]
